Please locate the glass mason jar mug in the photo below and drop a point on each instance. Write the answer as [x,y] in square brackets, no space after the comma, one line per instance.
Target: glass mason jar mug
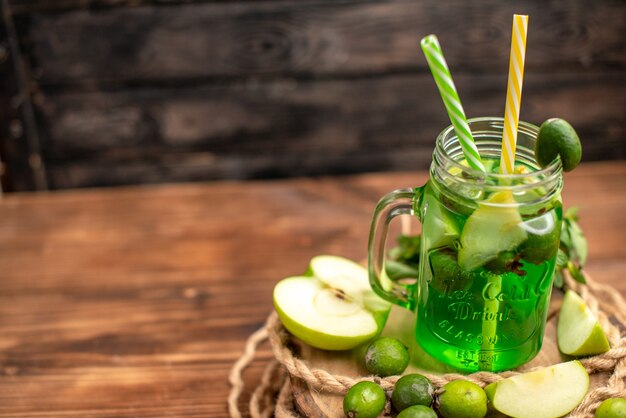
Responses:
[487,253]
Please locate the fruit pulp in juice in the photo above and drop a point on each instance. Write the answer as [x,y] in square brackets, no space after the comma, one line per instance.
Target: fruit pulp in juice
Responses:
[485,286]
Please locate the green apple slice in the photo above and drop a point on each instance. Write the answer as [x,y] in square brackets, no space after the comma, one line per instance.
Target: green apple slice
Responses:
[442,230]
[578,331]
[339,272]
[494,227]
[352,278]
[560,388]
[322,316]
[542,244]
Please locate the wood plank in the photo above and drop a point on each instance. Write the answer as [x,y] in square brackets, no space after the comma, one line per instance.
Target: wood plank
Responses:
[124,224]
[20,161]
[283,128]
[314,38]
[38,6]
[135,302]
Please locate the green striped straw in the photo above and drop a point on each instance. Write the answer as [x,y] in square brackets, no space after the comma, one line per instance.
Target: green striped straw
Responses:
[443,79]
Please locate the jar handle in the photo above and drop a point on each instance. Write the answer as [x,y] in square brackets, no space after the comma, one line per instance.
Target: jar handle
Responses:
[398,202]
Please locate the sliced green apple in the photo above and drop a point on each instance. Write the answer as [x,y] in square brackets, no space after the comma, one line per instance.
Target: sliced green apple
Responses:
[442,230]
[560,388]
[333,306]
[494,227]
[578,331]
[339,272]
[351,278]
[542,244]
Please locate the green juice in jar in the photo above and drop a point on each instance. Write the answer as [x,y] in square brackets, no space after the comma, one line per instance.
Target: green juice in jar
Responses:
[486,310]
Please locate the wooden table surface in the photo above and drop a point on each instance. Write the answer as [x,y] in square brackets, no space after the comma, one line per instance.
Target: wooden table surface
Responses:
[135,302]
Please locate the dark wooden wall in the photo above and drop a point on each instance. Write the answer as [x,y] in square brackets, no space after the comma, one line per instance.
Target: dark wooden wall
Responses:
[138,91]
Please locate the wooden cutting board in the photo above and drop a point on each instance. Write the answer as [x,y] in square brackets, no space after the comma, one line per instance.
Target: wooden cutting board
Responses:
[312,403]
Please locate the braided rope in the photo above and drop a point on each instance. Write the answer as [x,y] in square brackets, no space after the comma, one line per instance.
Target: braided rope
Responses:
[262,400]
[261,403]
[284,403]
[244,361]
[323,381]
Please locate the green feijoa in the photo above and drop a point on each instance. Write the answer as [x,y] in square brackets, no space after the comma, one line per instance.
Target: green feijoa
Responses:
[448,276]
[412,389]
[612,408]
[418,411]
[542,241]
[556,137]
[364,400]
[386,356]
[462,399]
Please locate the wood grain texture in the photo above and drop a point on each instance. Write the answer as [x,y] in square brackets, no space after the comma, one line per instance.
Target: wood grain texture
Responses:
[282,128]
[315,38]
[149,91]
[135,302]
[39,6]
[20,161]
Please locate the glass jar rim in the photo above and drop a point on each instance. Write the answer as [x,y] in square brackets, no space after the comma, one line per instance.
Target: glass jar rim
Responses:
[554,168]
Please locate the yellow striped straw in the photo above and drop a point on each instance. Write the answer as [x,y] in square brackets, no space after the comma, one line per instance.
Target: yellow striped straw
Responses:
[513,93]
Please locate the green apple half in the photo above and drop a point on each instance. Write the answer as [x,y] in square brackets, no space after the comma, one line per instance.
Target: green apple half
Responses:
[560,389]
[578,331]
[493,228]
[333,306]
[443,230]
